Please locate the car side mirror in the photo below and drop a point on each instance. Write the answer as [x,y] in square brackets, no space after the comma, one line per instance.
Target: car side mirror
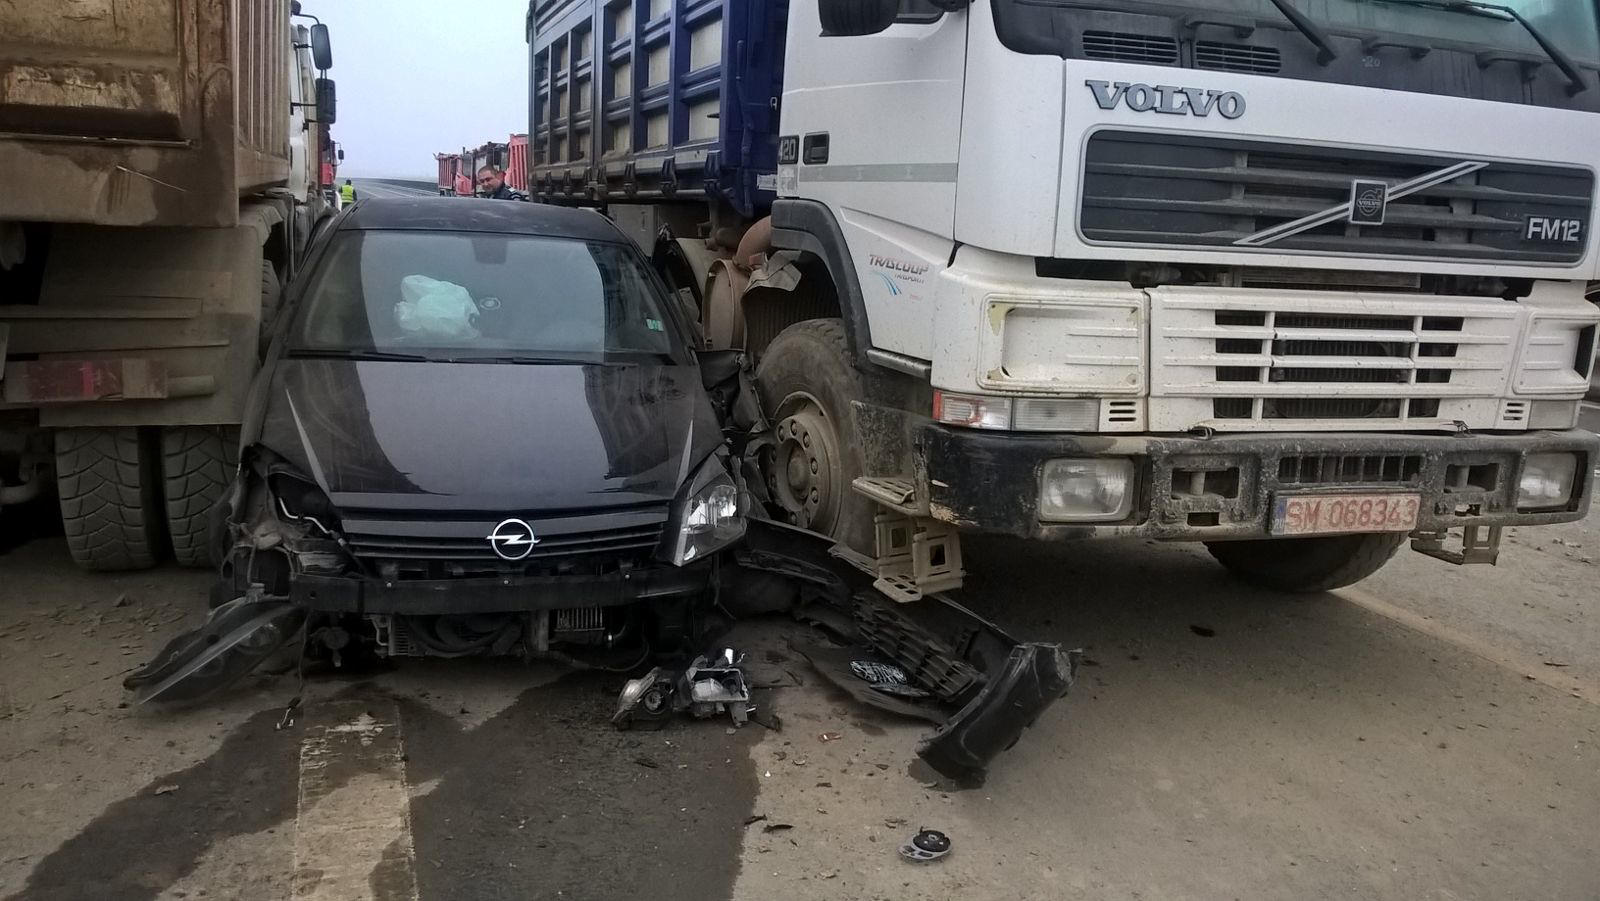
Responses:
[327,102]
[854,18]
[341,154]
[321,47]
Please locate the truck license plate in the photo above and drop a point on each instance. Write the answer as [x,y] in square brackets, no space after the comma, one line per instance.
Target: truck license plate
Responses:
[1332,514]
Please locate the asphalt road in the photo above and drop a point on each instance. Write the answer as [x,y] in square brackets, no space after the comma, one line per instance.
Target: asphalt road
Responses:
[367,187]
[1430,734]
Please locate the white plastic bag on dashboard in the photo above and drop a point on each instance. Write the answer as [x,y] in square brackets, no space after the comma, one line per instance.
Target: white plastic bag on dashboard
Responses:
[435,310]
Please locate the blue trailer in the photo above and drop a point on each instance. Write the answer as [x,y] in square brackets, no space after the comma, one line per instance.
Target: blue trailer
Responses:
[641,101]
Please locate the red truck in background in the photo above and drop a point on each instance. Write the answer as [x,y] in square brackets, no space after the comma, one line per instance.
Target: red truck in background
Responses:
[458,171]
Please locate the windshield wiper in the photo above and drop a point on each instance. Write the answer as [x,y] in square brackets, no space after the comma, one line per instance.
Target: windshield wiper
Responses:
[1325,52]
[359,353]
[521,358]
[1476,7]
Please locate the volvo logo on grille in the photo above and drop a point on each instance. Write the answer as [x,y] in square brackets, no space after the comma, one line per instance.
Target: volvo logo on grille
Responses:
[513,539]
[1166,98]
[1369,201]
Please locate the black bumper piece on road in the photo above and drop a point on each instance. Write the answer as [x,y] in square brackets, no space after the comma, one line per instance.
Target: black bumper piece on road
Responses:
[1224,486]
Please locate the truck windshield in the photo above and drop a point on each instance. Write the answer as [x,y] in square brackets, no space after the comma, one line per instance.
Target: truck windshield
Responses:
[1572,24]
[1569,23]
[483,298]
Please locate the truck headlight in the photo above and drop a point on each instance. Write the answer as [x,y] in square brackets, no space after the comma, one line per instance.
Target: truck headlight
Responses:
[1022,414]
[1094,490]
[706,518]
[1547,482]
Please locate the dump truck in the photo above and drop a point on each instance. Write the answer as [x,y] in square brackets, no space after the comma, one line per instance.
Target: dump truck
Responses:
[1299,281]
[160,171]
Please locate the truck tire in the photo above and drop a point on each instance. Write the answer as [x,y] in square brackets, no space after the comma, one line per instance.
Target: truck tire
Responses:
[271,298]
[197,466]
[806,384]
[109,485]
[1305,565]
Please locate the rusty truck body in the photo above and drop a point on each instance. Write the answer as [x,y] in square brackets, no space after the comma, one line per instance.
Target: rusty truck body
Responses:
[159,171]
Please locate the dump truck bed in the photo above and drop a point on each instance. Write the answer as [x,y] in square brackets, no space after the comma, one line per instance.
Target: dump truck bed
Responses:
[656,100]
[141,112]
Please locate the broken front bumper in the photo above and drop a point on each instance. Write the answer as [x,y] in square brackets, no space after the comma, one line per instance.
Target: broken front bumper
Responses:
[1224,486]
[432,597]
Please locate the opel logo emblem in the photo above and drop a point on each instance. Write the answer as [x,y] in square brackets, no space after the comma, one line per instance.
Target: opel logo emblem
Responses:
[513,539]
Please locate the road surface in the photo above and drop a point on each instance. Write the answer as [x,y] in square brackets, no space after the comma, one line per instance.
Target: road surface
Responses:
[1433,733]
[367,187]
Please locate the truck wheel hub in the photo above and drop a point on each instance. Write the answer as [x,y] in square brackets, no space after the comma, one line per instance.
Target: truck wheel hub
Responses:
[802,476]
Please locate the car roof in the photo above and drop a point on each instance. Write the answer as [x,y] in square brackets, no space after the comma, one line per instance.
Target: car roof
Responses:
[476,215]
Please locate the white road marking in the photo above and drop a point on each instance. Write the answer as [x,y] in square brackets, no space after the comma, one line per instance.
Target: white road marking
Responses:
[1533,670]
[354,814]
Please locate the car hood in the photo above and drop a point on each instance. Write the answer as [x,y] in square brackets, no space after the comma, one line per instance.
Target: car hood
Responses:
[491,437]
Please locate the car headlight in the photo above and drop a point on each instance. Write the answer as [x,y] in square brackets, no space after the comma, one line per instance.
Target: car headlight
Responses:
[707,517]
[1091,490]
[301,501]
[1547,482]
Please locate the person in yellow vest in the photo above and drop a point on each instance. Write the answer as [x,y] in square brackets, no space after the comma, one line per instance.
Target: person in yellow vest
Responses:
[347,193]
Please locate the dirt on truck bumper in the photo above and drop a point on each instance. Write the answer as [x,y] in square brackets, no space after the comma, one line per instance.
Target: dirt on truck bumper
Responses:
[1225,486]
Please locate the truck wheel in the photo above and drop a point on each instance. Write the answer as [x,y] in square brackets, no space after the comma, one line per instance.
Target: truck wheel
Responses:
[806,384]
[109,485]
[197,465]
[271,296]
[1305,565]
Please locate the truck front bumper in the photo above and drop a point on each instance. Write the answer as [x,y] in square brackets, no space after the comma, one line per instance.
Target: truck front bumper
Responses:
[1224,486]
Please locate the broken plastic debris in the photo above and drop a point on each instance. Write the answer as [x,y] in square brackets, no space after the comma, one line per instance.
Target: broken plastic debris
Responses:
[926,845]
[703,690]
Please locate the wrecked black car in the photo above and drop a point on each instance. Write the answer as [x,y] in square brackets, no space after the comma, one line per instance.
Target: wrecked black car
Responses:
[481,429]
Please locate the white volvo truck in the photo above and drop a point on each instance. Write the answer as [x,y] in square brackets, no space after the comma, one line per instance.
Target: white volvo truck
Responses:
[159,180]
[1300,280]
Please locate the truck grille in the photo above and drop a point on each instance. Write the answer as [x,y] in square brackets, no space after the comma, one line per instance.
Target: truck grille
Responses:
[1228,358]
[1165,189]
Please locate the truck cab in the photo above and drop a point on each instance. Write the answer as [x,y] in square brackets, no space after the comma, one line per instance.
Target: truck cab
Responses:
[1296,283]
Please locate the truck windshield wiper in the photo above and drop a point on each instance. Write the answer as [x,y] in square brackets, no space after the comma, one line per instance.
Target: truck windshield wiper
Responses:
[355,353]
[1325,52]
[1478,8]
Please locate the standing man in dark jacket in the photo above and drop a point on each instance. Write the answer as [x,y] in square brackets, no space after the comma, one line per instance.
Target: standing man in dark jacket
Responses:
[492,185]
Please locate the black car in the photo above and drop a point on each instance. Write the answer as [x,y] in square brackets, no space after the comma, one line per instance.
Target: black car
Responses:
[480,429]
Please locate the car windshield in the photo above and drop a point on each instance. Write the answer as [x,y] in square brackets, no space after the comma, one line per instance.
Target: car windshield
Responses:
[479,297]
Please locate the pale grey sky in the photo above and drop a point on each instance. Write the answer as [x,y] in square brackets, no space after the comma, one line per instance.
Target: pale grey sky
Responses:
[418,77]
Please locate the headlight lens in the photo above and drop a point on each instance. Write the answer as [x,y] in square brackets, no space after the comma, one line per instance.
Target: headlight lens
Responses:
[707,517]
[1022,414]
[1098,490]
[1547,482]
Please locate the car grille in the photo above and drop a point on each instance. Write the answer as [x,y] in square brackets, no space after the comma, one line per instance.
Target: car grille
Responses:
[466,544]
[1165,189]
[1291,359]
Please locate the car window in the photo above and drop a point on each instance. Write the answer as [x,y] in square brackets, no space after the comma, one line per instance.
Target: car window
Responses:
[461,295]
